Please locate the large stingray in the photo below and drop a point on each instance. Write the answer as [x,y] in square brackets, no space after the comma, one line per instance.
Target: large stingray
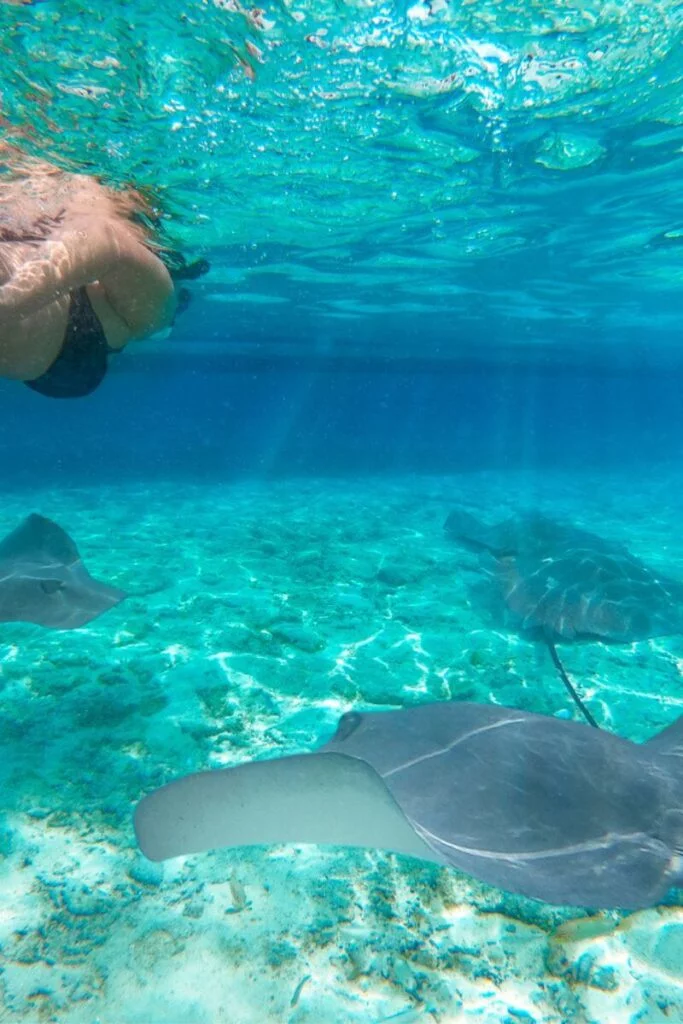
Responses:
[533,804]
[559,583]
[43,580]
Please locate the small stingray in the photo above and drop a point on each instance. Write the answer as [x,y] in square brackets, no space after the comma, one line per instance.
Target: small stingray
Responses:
[43,580]
[530,803]
[558,583]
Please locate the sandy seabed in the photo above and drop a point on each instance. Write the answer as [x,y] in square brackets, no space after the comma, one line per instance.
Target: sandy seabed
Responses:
[258,613]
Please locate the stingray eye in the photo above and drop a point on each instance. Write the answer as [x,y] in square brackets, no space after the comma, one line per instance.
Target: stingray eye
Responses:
[348,724]
[51,586]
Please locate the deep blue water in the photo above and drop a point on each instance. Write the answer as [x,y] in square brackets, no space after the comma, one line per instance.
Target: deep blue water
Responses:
[179,417]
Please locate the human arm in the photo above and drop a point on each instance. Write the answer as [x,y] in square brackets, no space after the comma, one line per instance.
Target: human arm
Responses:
[136,283]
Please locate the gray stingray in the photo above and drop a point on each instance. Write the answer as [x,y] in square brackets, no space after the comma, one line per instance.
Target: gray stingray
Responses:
[43,580]
[559,583]
[530,803]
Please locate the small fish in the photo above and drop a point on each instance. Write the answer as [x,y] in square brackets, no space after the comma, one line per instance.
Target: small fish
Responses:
[408,1016]
[297,991]
[239,897]
[582,928]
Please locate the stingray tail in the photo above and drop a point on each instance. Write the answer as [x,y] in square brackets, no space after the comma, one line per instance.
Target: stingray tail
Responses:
[571,689]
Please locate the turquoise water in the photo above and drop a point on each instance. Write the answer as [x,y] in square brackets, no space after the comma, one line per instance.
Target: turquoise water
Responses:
[445,272]
[435,177]
[258,613]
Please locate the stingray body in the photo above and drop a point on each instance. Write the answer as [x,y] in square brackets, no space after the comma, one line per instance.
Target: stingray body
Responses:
[559,583]
[532,804]
[569,584]
[43,580]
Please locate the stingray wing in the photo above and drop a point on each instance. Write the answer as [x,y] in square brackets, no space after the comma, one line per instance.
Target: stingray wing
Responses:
[44,581]
[329,799]
[40,541]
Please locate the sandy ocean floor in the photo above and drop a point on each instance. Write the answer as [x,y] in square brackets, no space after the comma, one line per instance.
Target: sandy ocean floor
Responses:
[258,613]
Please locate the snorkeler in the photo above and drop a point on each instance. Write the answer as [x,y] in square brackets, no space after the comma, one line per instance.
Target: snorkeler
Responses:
[80,277]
